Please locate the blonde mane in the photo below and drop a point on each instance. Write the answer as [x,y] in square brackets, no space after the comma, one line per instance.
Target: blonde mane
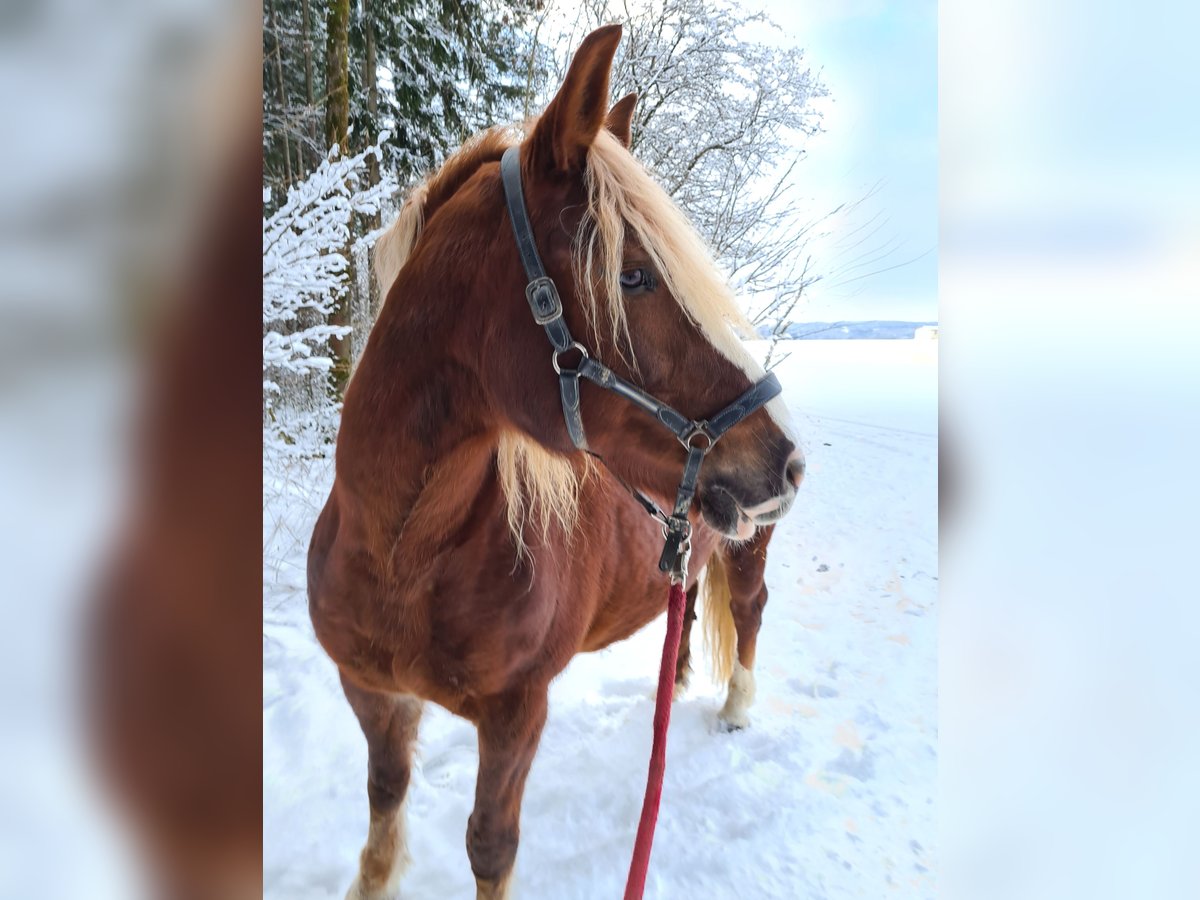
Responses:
[623,199]
[395,246]
[541,488]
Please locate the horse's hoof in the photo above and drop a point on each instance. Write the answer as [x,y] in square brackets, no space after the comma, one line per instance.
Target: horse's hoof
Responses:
[359,891]
[494,889]
[729,723]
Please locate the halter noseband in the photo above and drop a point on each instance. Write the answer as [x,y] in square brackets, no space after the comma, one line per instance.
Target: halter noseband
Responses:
[697,435]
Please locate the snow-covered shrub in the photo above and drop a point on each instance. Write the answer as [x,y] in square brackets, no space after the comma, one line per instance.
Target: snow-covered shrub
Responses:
[306,264]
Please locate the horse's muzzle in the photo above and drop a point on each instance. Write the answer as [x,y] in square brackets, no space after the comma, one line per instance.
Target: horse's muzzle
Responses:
[730,503]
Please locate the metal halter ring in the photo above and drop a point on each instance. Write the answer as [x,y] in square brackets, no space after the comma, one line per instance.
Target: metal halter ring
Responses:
[555,354]
[699,430]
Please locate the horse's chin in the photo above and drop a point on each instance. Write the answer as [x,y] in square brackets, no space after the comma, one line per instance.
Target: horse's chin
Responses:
[737,523]
[745,530]
[727,519]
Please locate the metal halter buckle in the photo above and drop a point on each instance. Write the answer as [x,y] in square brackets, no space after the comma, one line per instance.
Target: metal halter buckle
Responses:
[535,291]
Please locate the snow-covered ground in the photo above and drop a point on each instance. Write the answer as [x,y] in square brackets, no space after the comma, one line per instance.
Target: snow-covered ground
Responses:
[829,793]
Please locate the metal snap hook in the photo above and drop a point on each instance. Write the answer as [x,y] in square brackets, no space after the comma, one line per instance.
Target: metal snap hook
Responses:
[679,526]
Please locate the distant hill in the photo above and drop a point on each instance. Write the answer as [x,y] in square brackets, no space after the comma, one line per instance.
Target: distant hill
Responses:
[876,329]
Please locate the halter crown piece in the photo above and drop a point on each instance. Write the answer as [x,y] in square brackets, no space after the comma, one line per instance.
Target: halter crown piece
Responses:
[697,435]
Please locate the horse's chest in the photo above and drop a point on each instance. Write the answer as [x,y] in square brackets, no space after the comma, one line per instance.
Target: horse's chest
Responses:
[622,614]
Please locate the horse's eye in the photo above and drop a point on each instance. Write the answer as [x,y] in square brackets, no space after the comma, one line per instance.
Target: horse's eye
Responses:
[634,279]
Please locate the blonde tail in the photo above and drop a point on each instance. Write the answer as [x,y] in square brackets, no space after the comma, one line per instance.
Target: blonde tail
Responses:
[720,636]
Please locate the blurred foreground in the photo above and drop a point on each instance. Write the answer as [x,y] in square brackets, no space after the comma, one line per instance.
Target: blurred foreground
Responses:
[130,430]
[1070,306]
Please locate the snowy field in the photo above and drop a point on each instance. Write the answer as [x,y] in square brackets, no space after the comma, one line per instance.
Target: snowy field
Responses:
[829,793]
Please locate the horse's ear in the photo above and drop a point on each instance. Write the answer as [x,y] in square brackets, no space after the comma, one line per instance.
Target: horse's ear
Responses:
[565,131]
[620,118]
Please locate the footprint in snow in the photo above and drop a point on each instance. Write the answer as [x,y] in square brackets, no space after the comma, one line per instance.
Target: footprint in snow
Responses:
[814,690]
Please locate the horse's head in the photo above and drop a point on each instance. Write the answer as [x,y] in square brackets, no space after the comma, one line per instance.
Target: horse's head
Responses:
[640,289]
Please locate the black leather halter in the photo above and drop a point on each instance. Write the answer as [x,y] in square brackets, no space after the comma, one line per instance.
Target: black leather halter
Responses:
[697,435]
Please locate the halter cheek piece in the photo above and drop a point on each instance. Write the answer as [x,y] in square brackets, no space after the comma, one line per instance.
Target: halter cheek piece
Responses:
[697,435]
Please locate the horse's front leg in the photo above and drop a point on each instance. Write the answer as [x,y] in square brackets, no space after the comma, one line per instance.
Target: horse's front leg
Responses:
[389,722]
[745,565]
[509,726]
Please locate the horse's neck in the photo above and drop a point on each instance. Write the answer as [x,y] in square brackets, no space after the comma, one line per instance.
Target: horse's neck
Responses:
[417,446]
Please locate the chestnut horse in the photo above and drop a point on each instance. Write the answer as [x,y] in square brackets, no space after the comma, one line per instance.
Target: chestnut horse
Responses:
[468,550]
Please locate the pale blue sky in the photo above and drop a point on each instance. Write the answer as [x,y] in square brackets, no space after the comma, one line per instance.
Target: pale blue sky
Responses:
[879,60]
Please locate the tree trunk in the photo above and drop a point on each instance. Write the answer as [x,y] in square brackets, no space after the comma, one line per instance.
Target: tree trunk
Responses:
[370,81]
[283,114]
[337,74]
[337,127]
[309,104]
[371,300]
[308,72]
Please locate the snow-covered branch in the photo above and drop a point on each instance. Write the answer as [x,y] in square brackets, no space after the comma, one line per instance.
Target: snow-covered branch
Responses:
[305,272]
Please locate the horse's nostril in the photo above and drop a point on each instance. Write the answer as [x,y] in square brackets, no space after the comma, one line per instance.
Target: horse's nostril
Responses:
[795,469]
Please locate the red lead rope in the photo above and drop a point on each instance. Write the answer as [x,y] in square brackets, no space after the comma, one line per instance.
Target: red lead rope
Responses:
[640,863]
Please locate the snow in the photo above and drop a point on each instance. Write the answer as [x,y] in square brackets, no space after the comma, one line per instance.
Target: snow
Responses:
[828,794]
